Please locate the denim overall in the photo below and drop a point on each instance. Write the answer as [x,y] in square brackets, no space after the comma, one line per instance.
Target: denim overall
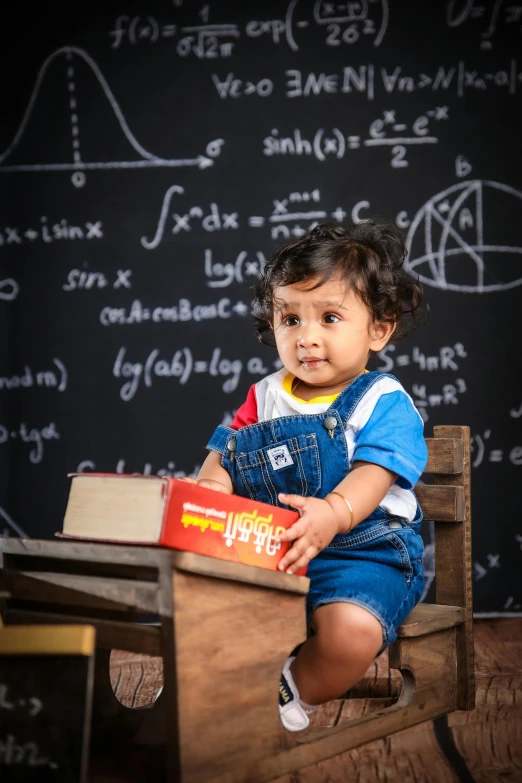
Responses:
[378,564]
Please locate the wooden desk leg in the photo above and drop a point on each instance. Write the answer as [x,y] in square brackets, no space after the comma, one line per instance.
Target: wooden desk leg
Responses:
[169,695]
[232,639]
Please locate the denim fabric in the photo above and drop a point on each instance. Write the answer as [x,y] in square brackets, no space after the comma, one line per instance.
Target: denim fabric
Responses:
[378,565]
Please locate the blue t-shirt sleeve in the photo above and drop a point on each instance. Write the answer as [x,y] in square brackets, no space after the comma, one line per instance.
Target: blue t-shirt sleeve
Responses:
[393,437]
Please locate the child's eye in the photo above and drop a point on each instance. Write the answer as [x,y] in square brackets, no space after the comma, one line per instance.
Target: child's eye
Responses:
[290,320]
[331,318]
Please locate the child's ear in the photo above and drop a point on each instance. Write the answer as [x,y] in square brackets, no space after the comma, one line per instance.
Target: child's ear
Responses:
[380,333]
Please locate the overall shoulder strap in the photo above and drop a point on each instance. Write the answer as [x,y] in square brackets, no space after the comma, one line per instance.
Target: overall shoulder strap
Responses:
[349,398]
[220,437]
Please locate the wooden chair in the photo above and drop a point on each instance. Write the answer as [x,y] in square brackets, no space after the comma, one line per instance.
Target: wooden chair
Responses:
[224,631]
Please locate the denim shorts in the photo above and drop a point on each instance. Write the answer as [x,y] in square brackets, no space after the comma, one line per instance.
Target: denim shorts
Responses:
[377,565]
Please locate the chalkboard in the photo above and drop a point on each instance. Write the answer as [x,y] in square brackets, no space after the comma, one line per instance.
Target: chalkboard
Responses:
[153,155]
[45,705]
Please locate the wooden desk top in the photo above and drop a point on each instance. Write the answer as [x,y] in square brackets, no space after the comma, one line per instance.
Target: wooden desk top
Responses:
[152,557]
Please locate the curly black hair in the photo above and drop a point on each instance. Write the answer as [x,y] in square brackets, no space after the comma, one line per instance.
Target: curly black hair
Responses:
[369,256]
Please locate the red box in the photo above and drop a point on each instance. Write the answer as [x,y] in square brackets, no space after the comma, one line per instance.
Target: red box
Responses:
[226,526]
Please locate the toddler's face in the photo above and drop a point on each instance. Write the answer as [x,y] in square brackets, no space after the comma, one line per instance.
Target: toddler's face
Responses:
[324,335]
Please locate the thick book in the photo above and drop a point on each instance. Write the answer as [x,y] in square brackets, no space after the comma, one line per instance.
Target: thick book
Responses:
[131,509]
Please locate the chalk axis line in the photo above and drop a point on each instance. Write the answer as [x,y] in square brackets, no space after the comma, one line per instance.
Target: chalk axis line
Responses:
[78,166]
[4,517]
[438,256]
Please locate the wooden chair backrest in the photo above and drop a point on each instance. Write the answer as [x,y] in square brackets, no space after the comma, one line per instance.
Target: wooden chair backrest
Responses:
[448,503]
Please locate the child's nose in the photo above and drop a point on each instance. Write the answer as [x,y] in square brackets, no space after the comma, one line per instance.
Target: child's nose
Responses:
[308,335]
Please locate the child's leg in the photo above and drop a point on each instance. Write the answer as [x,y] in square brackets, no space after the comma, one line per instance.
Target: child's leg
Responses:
[347,639]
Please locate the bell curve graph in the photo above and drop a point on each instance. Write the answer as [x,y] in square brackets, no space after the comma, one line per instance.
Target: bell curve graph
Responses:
[73,93]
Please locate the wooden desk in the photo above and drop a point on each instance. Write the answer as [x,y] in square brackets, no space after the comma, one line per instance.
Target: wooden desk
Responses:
[223,629]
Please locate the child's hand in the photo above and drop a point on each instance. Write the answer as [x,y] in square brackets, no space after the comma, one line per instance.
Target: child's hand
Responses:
[310,534]
[208,483]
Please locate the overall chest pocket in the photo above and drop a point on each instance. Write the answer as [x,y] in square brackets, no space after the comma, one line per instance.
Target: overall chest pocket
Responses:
[290,465]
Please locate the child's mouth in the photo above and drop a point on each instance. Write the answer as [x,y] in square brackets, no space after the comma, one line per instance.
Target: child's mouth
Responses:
[312,362]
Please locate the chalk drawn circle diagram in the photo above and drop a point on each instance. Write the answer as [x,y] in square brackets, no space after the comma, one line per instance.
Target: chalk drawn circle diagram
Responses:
[452,246]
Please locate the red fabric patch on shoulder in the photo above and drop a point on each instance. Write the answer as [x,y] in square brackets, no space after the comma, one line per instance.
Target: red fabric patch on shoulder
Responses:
[247,413]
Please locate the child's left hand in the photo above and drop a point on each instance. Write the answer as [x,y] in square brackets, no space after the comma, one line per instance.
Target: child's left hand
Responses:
[310,534]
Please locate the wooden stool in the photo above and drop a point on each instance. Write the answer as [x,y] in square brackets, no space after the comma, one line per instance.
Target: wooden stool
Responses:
[224,631]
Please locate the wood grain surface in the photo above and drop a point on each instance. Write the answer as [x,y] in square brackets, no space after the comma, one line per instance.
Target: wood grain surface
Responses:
[483,746]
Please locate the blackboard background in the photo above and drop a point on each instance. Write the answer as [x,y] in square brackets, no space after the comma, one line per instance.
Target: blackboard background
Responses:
[172,108]
[46,729]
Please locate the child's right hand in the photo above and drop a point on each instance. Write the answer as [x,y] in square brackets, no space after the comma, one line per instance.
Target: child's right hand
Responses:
[207,476]
[208,483]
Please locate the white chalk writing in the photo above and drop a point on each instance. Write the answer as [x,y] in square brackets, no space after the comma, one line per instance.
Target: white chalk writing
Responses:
[81,280]
[481,450]
[48,232]
[447,358]
[182,311]
[89,465]
[28,378]
[343,25]
[27,754]
[181,365]
[449,394]
[36,435]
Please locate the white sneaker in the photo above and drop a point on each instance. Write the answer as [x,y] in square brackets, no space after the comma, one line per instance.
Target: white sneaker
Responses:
[294,716]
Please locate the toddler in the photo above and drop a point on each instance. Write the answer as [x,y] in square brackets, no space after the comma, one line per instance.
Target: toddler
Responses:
[342,445]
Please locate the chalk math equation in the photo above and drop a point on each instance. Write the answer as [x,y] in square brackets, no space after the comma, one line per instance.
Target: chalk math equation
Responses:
[291,215]
[334,143]
[366,78]
[489,16]
[181,365]
[33,437]
[373,81]
[484,449]
[446,235]
[340,24]
[49,231]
